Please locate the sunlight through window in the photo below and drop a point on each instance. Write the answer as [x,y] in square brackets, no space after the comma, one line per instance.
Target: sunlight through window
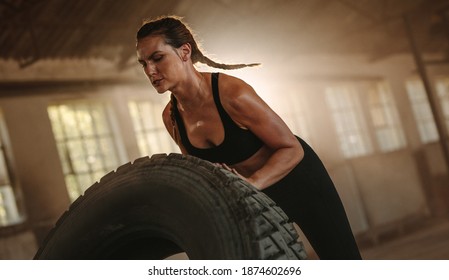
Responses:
[86,143]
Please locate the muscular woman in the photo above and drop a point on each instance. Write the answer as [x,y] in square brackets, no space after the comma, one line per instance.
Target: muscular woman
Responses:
[220,118]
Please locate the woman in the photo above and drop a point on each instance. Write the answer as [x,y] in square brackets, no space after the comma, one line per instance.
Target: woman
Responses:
[220,118]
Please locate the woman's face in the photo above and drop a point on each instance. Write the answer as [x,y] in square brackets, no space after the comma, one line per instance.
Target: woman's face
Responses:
[161,62]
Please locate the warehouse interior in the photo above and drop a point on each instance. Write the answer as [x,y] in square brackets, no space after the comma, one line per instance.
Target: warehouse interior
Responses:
[364,82]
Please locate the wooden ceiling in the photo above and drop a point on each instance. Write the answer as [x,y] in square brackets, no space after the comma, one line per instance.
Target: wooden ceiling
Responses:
[32,30]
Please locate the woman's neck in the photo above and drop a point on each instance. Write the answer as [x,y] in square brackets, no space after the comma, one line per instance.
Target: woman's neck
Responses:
[192,92]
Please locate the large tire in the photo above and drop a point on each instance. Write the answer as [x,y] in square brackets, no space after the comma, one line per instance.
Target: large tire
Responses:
[159,206]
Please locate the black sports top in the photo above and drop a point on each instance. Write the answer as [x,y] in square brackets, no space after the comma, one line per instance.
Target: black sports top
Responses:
[238,145]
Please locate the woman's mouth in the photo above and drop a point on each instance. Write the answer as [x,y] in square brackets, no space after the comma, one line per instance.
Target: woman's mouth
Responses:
[157,82]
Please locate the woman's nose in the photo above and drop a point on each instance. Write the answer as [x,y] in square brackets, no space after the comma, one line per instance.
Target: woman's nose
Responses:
[150,69]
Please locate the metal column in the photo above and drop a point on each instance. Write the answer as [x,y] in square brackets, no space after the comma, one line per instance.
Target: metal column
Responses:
[439,122]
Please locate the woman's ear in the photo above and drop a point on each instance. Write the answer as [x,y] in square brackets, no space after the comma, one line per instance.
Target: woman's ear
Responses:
[185,51]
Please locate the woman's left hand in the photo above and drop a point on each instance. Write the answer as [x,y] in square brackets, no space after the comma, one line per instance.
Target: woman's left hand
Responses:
[233,170]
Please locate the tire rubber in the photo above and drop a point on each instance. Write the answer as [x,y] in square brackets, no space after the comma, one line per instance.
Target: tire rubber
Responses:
[159,206]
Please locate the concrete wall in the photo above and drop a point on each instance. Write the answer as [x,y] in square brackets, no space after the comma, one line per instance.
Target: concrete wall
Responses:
[36,160]
[381,191]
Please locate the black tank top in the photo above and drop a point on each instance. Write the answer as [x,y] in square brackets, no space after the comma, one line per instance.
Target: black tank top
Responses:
[238,145]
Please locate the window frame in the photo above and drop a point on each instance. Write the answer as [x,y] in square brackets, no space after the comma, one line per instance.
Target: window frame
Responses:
[362,110]
[75,183]
[12,187]
[426,126]
[143,132]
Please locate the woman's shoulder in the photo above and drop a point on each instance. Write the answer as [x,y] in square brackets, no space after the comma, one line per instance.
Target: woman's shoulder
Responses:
[235,94]
[232,86]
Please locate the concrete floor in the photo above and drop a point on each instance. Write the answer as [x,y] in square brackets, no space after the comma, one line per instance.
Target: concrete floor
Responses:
[428,241]
[21,246]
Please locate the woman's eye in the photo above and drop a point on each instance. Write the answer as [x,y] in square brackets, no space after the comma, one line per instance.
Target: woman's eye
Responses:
[157,58]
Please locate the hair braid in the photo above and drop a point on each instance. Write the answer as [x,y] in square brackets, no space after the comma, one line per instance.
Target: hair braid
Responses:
[205,60]
[176,33]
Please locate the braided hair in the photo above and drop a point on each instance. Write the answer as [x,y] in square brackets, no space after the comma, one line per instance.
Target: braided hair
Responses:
[176,33]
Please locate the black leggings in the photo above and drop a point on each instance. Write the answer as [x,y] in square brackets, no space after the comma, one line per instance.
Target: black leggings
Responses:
[308,196]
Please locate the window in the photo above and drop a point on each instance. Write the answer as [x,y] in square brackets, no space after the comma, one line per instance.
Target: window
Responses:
[384,115]
[86,143]
[365,117]
[9,212]
[294,116]
[345,106]
[422,111]
[152,137]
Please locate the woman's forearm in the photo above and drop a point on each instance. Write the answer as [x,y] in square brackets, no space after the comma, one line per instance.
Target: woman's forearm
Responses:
[276,167]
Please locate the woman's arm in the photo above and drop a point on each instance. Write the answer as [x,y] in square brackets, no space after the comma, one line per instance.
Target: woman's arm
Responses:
[247,109]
